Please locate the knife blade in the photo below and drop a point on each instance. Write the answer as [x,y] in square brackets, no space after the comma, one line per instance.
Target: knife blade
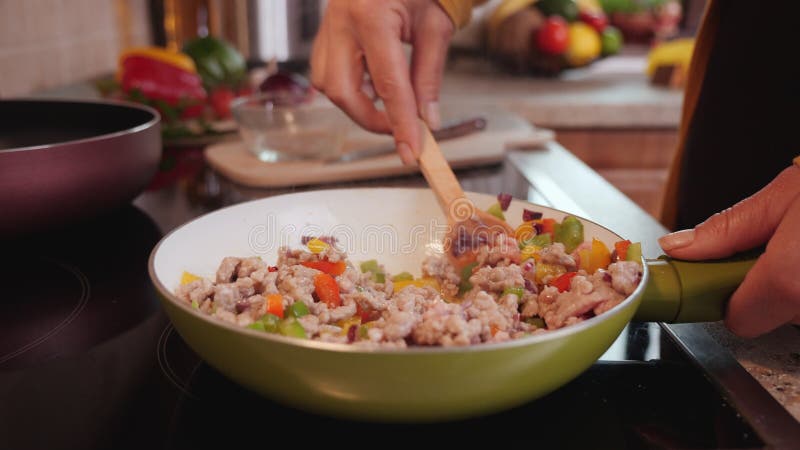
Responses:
[454,129]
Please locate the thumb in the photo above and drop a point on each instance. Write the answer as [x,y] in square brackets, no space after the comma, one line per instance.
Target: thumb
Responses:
[427,64]
[745,225]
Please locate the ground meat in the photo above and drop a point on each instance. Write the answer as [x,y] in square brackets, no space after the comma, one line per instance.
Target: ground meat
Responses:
[625,276]
[226,295]
[399,324]
[496,279]
[483,307]
[264,281]
[195,291]
[290,257]
[227,269]
[297,282]
[445,324]
[310,323]
[250,265]
[417,315]
[583,297]
[438,267]
[556,254]
[502,252]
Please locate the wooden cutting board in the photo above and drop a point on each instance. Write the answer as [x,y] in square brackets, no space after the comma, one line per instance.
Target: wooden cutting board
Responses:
[503,131]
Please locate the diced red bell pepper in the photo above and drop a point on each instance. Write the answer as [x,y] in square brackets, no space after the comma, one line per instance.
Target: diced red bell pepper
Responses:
[327,290]
[621,248]
[275,304]
[548,225]
[367,314]
[331,268]
[562,283]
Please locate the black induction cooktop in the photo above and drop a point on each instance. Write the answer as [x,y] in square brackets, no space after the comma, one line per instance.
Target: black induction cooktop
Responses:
[88,360]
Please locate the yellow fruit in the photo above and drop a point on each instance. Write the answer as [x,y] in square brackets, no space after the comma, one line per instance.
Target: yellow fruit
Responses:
[584,44]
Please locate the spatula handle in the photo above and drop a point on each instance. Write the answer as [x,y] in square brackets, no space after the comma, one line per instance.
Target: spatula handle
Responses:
[437,172]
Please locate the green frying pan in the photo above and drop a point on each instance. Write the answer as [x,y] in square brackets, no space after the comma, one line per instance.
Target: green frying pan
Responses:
[398,227]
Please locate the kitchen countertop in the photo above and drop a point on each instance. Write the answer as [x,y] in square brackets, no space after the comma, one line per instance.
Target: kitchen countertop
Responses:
[611,93]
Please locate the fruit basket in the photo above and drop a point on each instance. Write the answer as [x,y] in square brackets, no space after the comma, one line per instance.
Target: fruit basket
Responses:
[546,37]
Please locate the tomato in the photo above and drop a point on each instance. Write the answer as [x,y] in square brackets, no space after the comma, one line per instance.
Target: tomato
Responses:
[220,100]
[553,37]
[595,19]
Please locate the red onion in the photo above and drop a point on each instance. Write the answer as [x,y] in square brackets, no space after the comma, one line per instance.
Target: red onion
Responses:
[504,200]
[242,306]
[351,333]
[297,85]
[528,215]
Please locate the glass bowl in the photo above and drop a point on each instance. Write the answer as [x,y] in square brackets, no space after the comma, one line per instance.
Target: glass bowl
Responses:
[280,126]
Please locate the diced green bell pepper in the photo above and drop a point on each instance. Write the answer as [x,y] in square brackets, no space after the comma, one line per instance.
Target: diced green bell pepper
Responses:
[297,309]
[271,322]
[373,267]
[634,252]
[403,276]
[497,211]
[519,291]
[258,326]
[538,322]
[465,286]
[570,233]
[540,240]
[292,328]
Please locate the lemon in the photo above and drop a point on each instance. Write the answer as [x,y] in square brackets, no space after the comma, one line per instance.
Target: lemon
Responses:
[584,44]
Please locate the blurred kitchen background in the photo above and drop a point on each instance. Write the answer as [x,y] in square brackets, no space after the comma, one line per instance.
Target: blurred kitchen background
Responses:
[617,109]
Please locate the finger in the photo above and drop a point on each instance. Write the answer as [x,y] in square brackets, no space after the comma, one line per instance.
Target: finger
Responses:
[747,224]
[427,64]
[344,77]
[388,69]
[770,294]
[318,58]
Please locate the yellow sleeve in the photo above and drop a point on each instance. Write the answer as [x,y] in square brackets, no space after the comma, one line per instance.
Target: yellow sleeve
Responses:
[460,11]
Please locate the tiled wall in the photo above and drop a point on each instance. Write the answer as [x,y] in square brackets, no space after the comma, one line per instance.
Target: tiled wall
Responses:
[48,43]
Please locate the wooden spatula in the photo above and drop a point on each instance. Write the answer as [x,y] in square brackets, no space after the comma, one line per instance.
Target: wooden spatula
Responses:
[463,217]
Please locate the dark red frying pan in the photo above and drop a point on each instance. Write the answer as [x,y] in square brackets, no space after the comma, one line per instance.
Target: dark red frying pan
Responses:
[62,161]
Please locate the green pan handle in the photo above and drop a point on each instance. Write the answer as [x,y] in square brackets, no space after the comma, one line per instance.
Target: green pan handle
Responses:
[682,291]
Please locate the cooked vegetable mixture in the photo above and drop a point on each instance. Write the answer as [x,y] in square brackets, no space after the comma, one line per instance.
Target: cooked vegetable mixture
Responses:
[547,276]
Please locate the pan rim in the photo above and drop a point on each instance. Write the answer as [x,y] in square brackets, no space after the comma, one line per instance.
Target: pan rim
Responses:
[307,344]
[150,123]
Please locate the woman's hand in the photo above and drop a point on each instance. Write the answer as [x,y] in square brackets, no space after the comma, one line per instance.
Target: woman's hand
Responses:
[770,294]
[360,36]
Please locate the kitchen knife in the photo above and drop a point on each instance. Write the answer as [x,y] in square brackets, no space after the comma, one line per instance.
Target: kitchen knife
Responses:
[451,130]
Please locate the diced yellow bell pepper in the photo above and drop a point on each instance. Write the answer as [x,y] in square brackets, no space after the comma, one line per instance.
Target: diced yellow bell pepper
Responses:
[546,272]
[347,323]
[524,231]
[530,251]
[316,246]
[187,278]
[596,257]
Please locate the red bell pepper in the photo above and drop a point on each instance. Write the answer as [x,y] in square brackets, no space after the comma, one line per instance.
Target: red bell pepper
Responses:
[562,283]
[163,81]
[275,304]
[327,290]
[331,268]
[621,248]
